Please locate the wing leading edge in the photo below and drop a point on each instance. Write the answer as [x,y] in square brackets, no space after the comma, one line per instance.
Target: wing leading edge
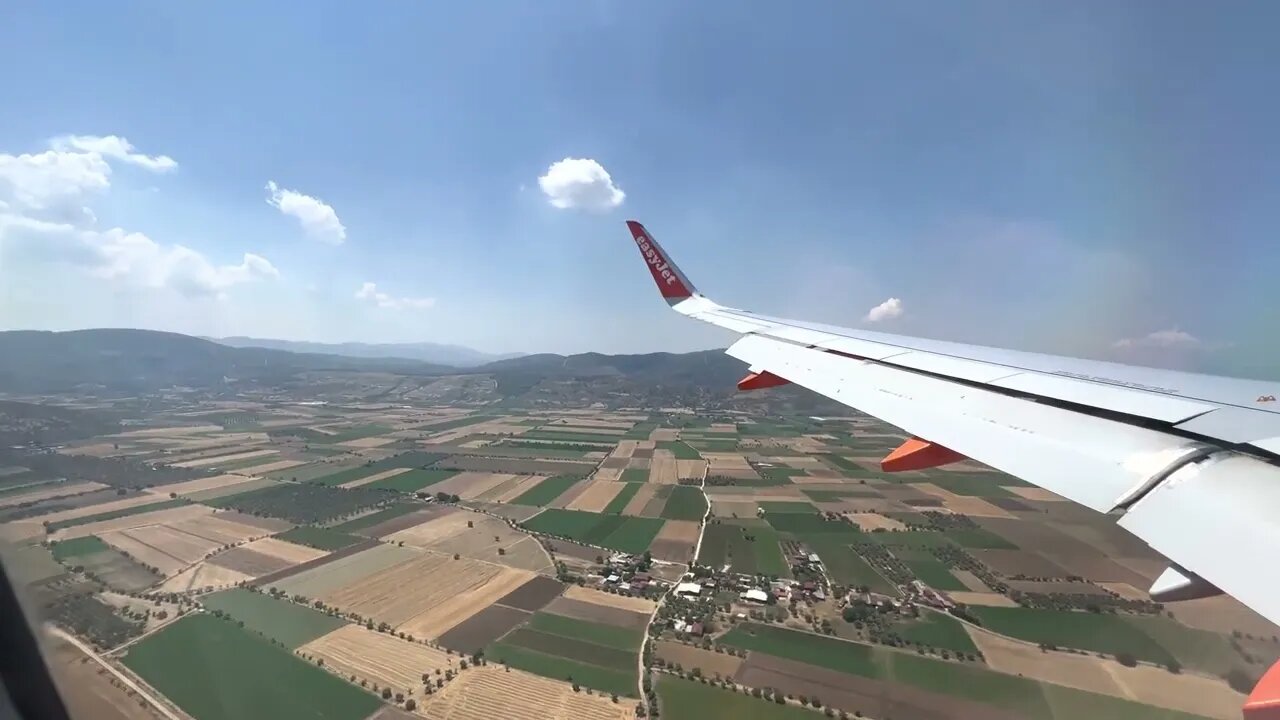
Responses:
[1188,462]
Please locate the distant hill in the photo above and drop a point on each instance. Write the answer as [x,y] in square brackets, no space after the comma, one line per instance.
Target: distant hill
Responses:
[455,355]
[122,360]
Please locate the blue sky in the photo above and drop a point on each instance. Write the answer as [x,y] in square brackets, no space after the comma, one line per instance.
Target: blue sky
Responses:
[1089,178]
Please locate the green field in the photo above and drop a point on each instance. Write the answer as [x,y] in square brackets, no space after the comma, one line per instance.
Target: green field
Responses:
[1197,649]
[611,681]
[319,538]
[747,549]
[779,473]
[281,620]
[546,491]
[77,547]
[681,450]
[689,700]
[845,566]
[635,475]
[123,512]
[214,670]
[979,538]
[934,574]
[629,534]
[1088,631]
[1040,701]
[811,524]
[366,521]
[640,431]
[598,633]
[937,630]
[411,481]
[975,484]
[685,503]
[847,466]
[713,445]
[628,491]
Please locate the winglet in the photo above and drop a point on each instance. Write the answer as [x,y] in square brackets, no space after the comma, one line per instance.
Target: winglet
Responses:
[672,283]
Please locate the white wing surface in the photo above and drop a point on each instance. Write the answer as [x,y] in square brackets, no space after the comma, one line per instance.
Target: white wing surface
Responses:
[1189,463]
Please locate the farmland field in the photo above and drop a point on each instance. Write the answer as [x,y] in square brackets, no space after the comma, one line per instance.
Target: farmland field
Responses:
[934,574]
[318,537]
[622,683]
[681,450]
[76,547]
[937,630]
[123,512]
[847,567]
[598,633]
[382,659]
[685,503]
[746,549]
[619,501]
[302,504]
[1088,631]
[291,624]
[689,700]
[804,523]
[629,534]
[490,692]
[546,491]
[777,506]
[243,676]
[367,521]
[412,480]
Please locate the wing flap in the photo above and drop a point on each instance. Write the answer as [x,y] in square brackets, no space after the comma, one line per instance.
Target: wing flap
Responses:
[1090,460]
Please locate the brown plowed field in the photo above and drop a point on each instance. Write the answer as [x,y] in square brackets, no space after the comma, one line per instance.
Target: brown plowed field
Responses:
[566,548]
[516,466]
[249,562]
[490,692]
[674,551]
[690,469]
[712,664]
[463,598]
[533,595]
[681,530]
[663,469]
[468,485]
[874,698]
[605,474]
[377,657]
[289,552]
[484,627]
[592,612]
[595,496]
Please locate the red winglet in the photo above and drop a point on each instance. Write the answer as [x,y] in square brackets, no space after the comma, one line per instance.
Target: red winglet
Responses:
[1264,701]
[761,380]
[917,454]
[672,283]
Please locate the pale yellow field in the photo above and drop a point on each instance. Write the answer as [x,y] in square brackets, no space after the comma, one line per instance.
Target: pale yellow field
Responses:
[164,562]
[465,598]
[596,496]
[1151,685]
[607,474]
[664,434]
[642,497]
[662,469]
[1033,493]
[94,450]
[730,508]
[971,581]
[691,469]
[202,462]
[54,491]
[624,448]
[193,486]
[219,529]
[154,517]
[436,529]
[202,575]
[377,657]
[169,431]
[145,498]
[270,467]
[368,442]
[482,541]
[468,485]
[873,521]
[490,692]
[375,477]
[524,483]
[185,547]
[964,504]
[727,462]
[585,594]
[282,550]
[988,599]
[682,530]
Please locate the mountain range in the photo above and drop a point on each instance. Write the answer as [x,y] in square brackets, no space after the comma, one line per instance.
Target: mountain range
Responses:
[437,353]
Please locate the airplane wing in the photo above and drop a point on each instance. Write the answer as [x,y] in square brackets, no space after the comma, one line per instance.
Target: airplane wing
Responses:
[1189,463]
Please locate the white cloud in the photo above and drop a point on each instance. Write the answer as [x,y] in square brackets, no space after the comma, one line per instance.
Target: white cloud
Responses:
[582,184]
[116,147]
[369,292]
[317,217]
[887,310]
[43,219]
[1162,339]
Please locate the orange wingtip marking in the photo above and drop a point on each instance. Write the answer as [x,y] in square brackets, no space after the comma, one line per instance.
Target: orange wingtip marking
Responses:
[761,380]
[1264,701]
[917,454]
